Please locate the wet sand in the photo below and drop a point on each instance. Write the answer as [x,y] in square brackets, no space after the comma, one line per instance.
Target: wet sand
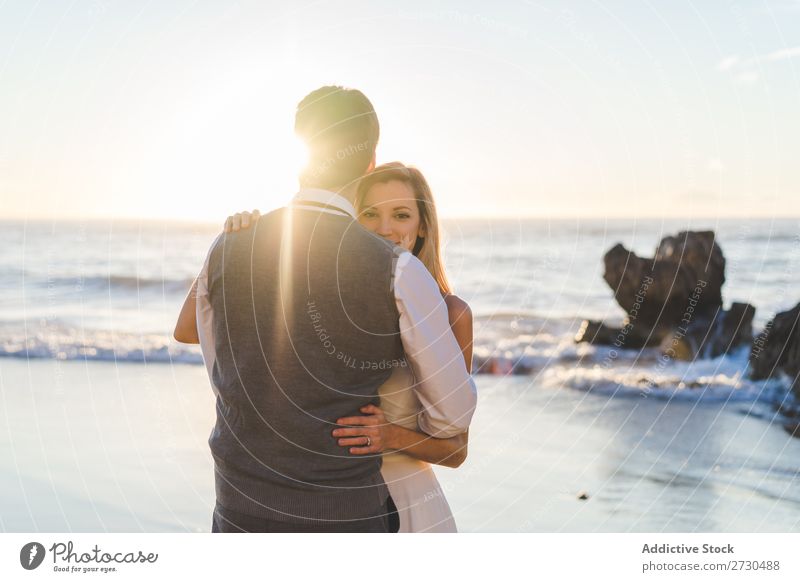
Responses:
[122,448]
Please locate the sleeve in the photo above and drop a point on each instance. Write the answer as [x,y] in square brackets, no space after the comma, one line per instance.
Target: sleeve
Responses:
[205,320]
[444,387]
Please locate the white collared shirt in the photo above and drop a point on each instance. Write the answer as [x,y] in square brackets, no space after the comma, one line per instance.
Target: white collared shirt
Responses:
[445,389]
[335,203]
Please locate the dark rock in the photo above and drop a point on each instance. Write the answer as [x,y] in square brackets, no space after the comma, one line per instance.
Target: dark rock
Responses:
[583,496]
[684,278]
[735,329]
[777,348]
[597,332]
[788,409]
[673,300]
[709,338]
[793,428]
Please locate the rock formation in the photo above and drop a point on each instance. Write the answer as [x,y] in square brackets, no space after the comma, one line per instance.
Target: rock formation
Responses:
[672,300]
[777,348]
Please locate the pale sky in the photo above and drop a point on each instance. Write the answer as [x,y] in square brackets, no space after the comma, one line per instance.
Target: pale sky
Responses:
[178,109]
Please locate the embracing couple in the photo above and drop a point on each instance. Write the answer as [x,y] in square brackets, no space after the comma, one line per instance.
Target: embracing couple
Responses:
[338,354]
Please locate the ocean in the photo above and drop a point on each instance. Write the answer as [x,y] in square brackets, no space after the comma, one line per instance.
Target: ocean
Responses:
[86,314]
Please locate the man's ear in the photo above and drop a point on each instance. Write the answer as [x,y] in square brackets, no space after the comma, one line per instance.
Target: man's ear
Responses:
[371,164]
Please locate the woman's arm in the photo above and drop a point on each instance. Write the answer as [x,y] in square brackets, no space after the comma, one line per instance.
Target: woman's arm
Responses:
[381,435]
[372,434]
[186,327]
[461,323]
[451,452]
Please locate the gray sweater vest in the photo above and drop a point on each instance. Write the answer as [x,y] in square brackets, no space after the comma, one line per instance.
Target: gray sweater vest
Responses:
[306,330]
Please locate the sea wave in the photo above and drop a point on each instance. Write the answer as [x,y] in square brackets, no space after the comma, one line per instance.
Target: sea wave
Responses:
[504,345]
[97,345]
[723,379]
[546,348]
[123,283]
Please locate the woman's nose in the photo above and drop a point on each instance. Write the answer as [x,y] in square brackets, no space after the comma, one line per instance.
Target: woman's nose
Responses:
[385,229]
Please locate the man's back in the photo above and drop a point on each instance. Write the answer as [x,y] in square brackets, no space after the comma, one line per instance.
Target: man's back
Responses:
[305,331]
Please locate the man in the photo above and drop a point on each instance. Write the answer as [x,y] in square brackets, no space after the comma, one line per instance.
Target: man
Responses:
[301,318]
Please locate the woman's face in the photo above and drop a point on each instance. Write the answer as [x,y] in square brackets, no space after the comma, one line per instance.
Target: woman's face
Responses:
[390,210]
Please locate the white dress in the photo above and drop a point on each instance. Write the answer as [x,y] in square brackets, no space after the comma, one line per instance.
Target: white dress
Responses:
[414,488]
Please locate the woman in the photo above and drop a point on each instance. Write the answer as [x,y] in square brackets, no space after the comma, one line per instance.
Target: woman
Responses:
[395,202]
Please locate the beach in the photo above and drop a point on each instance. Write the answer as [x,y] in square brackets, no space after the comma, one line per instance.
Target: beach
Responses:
[105,418]
[99,446]
[105,447]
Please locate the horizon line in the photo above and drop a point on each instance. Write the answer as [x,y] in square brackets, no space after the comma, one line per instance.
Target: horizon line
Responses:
[473,218]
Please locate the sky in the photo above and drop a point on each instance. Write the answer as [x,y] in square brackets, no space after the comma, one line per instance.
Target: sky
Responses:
[184,109]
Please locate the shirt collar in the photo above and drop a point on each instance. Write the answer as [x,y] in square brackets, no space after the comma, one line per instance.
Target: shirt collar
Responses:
[326,197]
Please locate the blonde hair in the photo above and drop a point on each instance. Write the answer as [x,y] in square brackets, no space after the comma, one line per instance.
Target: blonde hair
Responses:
[428,248]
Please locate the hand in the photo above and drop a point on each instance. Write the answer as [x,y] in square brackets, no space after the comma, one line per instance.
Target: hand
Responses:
[241,220]
[361,431]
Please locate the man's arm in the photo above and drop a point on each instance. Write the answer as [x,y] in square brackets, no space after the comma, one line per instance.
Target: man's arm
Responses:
[444,387]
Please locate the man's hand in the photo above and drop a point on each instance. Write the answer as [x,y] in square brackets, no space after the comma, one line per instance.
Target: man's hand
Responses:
[241,220]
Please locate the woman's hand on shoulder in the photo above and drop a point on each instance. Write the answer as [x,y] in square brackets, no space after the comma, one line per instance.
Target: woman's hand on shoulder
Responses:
[241,220]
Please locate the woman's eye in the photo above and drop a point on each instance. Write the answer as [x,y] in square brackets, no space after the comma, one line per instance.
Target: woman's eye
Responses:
[369,215]
[402,216]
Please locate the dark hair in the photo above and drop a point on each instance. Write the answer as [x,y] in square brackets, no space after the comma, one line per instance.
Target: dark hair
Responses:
[341,130]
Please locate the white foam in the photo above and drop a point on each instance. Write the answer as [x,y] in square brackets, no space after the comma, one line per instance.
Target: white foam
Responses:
[720,379]
[545,347]
[97,345]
